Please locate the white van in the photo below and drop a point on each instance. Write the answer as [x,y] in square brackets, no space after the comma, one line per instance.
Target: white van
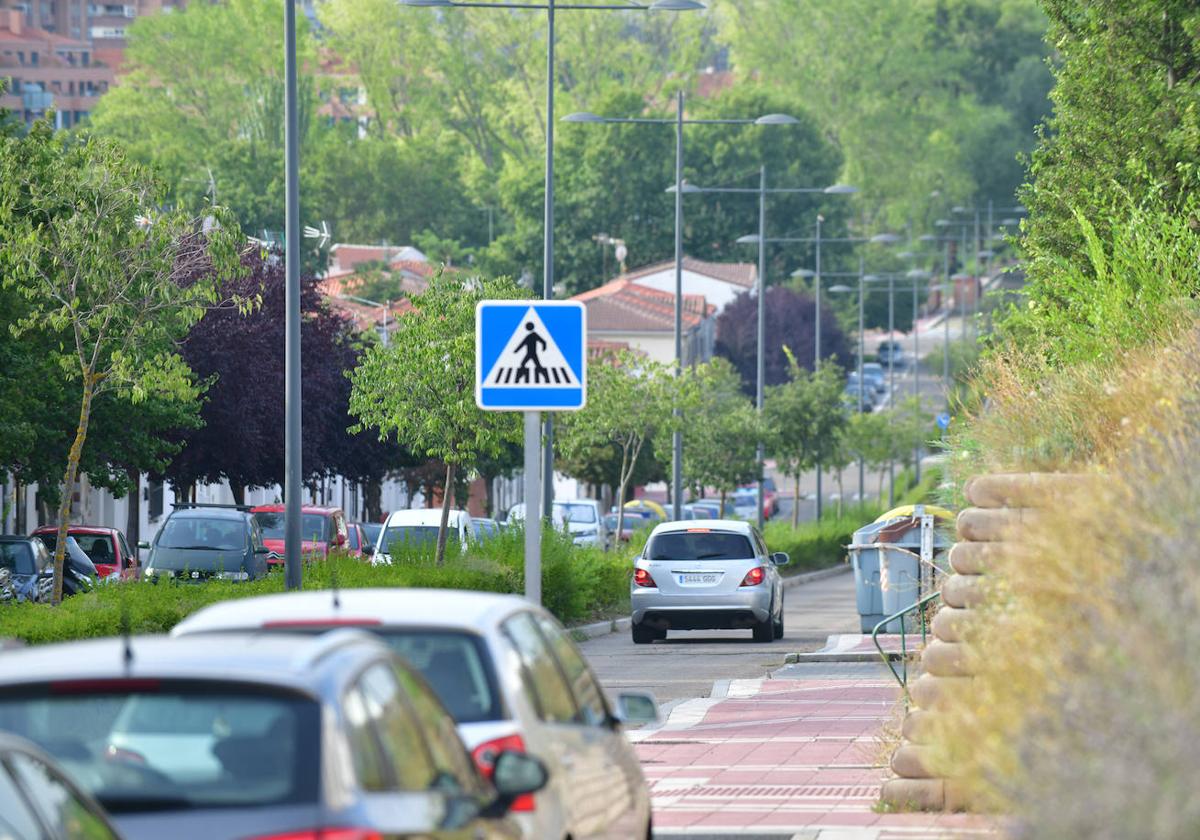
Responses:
[583,518]
[419,528]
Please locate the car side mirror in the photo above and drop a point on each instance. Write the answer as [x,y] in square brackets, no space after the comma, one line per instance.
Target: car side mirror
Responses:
[513,775]
[261,549]
[637,707]
[143,544]
[780,558]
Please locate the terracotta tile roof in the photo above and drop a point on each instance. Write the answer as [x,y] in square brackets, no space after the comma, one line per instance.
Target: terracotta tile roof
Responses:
[743,275]
[624,306]
[347,256]
[366,317]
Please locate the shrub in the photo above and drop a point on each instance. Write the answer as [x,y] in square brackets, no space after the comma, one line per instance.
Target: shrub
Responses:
[817,545]
[577,583]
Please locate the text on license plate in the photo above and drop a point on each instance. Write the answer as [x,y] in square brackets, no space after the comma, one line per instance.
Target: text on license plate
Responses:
[699,579]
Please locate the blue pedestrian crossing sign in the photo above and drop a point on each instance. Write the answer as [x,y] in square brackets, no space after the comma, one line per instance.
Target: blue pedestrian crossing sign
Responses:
[530,355]
[943,421]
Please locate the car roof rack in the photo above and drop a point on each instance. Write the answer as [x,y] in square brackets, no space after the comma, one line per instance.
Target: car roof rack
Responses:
[188,505]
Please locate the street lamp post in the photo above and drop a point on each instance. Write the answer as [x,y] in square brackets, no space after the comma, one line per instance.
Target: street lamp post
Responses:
[916,275]
[292,394]
[761,240]
[679,188]
[533,523]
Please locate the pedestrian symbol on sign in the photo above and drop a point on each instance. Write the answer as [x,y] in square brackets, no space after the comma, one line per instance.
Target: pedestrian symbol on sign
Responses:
[531,357]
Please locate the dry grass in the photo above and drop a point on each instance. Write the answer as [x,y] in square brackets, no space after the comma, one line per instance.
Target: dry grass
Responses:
[1084,720]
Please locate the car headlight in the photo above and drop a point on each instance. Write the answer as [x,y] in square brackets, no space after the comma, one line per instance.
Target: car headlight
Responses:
[234,575]
[378,559]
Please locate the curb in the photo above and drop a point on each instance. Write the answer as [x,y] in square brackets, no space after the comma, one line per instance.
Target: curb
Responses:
[838,648]
[820,574]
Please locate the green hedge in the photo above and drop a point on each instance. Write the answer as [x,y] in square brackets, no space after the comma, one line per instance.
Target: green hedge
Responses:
[817,545]
[577,584]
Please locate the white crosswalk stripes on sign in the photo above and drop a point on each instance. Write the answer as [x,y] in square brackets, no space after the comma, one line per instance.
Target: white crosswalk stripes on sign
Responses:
[531,357]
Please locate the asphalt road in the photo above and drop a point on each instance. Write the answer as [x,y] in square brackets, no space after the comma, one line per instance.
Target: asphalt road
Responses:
[687,663]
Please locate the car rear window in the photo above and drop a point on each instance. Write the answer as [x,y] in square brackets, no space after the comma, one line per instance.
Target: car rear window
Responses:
[175,746]
[401,537]
[700,545]
[312,526]
[578,513]
[17,557]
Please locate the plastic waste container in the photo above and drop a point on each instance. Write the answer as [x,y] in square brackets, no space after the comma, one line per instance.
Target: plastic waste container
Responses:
[886,557]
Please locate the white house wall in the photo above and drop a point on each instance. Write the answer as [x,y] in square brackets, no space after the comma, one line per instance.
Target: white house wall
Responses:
[717,292]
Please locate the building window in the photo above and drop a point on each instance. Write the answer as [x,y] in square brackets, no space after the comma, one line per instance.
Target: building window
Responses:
[33,59]
[154,495]
[20,58]
[85,58]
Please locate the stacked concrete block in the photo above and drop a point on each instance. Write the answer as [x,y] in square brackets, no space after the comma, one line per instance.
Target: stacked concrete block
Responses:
[993,527]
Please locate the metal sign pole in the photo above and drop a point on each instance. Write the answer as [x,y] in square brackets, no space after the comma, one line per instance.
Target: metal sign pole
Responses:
[533,506]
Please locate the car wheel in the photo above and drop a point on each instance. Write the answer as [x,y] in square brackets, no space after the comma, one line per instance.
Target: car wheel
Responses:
[642,635]
[764,631]
[778,626]
[660,635]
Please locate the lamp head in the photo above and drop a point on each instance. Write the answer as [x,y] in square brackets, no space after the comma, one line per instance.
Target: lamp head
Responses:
[986,254]
[675,6]
[839,289]
[917,274]
[928,237]
[942,223]
[840,189]
[776,119]
[748,239]
[958,208]
[688,189]
[426,3]
[580,116]
[884,239]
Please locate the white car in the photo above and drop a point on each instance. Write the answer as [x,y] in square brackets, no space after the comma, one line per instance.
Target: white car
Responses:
[582,518]
[511,677]
[419,528]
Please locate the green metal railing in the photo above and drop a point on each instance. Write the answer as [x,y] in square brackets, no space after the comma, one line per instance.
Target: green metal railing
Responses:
[902,676]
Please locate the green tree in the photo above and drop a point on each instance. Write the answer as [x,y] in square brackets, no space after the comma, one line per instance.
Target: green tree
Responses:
[421,388]
[804,418]
[720,433]
[868,437]
[630,404]
[96,262]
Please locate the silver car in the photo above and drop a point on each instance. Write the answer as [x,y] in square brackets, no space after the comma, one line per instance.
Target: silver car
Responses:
[257,736]
[705,575]
[511,677]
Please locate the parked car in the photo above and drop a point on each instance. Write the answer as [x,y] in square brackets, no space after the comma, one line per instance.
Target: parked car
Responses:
[370,533]
[513,680]
[105,547]
[31,566]
[355,544]
[417,529]
[38,801]
[854,397]
[745,503]
[201,541]
[484,529]
[713,574]
[711,508]
[875,376]
[890,352]
[295,736]
[581,517]
[321,528]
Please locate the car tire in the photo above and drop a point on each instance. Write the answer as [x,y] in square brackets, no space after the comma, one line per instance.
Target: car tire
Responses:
[777,627]
[642,635]
[660,635]
[764,631]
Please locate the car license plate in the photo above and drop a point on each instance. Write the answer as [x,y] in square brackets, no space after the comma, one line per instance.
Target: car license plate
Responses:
[699,579]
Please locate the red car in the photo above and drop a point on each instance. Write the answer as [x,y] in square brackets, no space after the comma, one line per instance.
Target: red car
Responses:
[105,547]
[321,528]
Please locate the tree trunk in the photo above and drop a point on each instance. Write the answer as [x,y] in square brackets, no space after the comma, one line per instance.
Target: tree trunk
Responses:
[624,478]
[64,507]
[721,515]
[440,558]
[796,502]
[239,493]
[841,492]
[882,474]
[133,516]
[373,500]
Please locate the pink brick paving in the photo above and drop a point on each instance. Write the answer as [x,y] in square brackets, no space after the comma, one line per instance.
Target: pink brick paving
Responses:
[784,755]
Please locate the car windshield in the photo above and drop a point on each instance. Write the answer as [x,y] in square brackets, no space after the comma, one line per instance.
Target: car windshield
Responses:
[195,532]
[700,545]
[370,531]
[312,526]
[402,537]
[179,747]
[17,557]
[577,512]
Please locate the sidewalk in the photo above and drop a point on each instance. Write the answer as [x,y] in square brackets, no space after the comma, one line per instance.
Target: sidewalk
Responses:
[793,756]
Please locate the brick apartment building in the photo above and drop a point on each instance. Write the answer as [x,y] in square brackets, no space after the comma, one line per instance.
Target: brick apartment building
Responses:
[64,54]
